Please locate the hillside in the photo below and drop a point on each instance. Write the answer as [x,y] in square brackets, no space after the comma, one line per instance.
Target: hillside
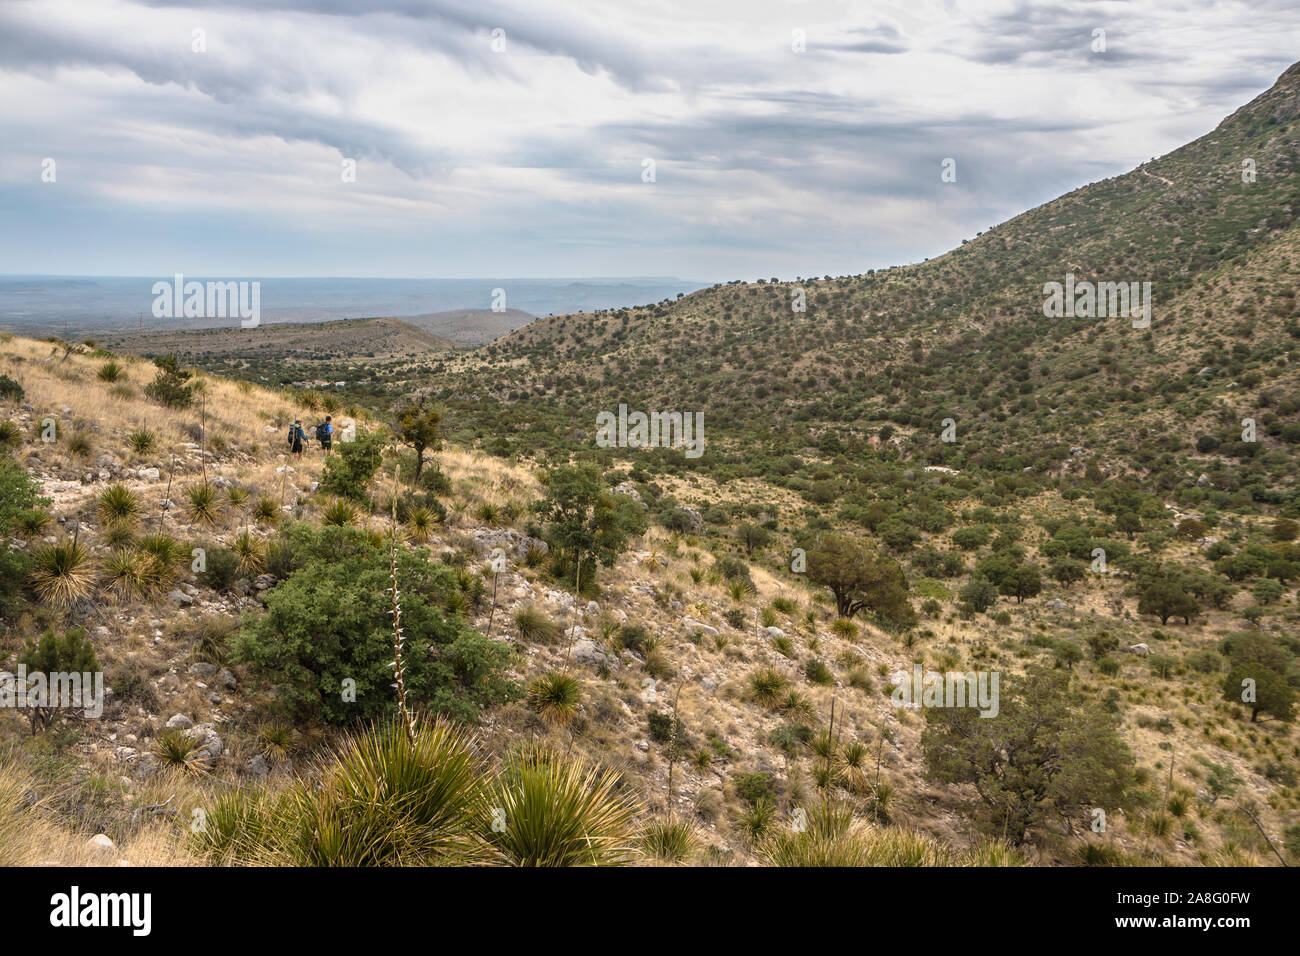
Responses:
[297,346]
[921,470]
[470,327]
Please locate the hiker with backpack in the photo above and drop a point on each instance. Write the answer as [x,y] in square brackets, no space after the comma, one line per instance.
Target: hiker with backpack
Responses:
[325,435]
[296,437]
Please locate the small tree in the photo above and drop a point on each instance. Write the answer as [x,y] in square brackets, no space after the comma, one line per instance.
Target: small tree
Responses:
[859,580]
[1048,755]
[348,473]
[51,655]
[169,386]
[420,427]
[979,594]
[753,536]
[1165,599]
[586,524]
[1257,677]
[1021,582]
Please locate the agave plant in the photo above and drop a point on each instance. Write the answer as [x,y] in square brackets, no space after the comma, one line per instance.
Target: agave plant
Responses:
[549,811]
[63,574]
[554,697]
[204,506]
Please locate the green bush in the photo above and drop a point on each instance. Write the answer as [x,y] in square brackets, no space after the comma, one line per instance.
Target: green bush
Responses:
[349,470]
[330,622]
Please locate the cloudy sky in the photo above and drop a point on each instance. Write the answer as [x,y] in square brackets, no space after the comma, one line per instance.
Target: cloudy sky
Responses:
[511,138]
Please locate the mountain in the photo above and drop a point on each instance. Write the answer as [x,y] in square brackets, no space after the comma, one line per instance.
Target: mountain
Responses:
[963,335]
[470,327]
[926,470]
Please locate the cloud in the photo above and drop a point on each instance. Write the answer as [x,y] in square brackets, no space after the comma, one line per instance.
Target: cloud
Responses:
[771,158]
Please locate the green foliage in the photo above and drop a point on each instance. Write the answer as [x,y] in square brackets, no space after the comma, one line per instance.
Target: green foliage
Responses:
[420,427]
[560,812]
[349,470]
[330,621]
[1259,672]
[859,580]
[1048,756]
[70,654]
[584,521]
[171,387]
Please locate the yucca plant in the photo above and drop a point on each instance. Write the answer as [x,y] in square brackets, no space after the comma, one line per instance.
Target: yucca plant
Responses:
[109,372]
[535,627]
[795,706]
[266,511]
[32,521]
[11,436]
[62,574]
[141,440]
[993,853]
[487,512]
[235,825]
[549,811]
[339,513]
[554,697]
[275,739]
[766,686]
[670,839]
[204,506]
[386,800]
[165,553]
[757,818]
[420,521]
[117,503]
[236,496]
[126,573]
[179,750]
[251,553]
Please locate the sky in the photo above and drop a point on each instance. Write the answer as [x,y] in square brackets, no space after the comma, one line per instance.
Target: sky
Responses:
[702,139]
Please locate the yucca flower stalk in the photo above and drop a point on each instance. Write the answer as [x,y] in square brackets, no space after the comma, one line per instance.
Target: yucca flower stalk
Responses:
[399,674]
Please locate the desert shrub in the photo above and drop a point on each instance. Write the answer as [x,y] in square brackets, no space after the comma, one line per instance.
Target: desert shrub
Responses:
[328,622]
[171,387]
[349,470]
[10,390]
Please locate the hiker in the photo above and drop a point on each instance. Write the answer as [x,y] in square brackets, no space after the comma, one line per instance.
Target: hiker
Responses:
[325,435]
[296,437]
